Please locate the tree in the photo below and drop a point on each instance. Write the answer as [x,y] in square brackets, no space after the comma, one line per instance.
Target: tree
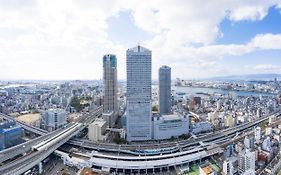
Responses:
[117,139]
[154,108]
[75,102]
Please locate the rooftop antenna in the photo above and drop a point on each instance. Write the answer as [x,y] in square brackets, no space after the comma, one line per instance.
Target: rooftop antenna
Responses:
[138,47]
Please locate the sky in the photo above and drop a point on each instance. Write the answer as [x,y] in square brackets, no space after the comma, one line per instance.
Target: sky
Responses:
[66,39]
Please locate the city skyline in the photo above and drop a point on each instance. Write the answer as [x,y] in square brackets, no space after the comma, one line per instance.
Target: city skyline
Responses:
[45,40]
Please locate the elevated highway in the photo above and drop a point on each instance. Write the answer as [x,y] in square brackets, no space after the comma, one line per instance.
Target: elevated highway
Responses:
[43,145]
[186,149]
[169,147]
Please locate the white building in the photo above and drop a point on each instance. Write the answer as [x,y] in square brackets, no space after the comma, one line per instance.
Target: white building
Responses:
[230,166]
[53,119]
[249,142]
[258,134]
[268,131]
[166,126]
[139,120]
[201,127]
[96,130]
[246,161]
[266,144]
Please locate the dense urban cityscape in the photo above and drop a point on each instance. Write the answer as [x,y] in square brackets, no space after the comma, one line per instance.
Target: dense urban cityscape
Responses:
[189,99]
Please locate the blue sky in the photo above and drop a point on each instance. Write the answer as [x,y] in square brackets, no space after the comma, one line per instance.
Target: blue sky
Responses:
[66,39]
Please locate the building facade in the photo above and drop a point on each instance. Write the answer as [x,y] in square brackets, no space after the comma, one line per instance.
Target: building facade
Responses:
[10,134]
[53,119]
[138,94]
[167,126]
[110,100]
[165,101]
[96,130]
[246,161]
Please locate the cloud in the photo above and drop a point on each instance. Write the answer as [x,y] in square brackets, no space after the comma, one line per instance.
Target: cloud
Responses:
[267,41]
[267,68]
[66,39]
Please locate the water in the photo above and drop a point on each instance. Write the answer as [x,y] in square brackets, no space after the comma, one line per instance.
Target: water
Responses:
[194,90]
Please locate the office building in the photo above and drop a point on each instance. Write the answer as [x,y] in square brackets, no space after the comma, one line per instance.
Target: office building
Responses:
[139,94]
[167,126]
[165,90]
[96,130]
[53,119]
[110,100]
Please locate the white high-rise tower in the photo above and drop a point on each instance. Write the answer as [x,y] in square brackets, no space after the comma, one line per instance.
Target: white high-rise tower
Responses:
[138,94]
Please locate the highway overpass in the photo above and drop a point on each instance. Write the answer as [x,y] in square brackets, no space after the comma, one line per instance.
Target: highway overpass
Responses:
[41,151]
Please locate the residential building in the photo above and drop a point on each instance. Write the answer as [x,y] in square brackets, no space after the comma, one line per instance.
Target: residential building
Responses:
[257,134]
[246,161]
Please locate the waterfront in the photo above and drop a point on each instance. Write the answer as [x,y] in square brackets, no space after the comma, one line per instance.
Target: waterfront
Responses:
[195,91]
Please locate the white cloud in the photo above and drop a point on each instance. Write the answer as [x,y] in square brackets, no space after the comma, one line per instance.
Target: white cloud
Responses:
[267,68]
[267,41]
[66,39]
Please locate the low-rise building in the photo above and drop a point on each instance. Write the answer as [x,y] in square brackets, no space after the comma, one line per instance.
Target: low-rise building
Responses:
[206,169]
[167,126]
[201,127]
[96,130]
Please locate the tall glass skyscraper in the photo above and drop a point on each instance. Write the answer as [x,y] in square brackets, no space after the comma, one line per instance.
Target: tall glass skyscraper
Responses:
[165,90]
[138,94]
[110,101]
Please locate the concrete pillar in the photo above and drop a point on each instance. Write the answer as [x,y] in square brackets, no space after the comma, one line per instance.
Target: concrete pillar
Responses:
[40,168]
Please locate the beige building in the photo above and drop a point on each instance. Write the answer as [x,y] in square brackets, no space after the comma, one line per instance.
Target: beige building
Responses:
[96,130]
[229,121]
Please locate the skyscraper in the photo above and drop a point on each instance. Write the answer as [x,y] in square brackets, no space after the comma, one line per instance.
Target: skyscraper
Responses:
[110,104]
[165,90]
[138,94]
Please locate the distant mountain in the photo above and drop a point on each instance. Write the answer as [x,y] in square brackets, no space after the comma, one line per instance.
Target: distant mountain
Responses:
[249,77]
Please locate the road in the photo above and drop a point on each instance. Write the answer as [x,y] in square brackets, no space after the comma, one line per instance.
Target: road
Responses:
[32,158]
